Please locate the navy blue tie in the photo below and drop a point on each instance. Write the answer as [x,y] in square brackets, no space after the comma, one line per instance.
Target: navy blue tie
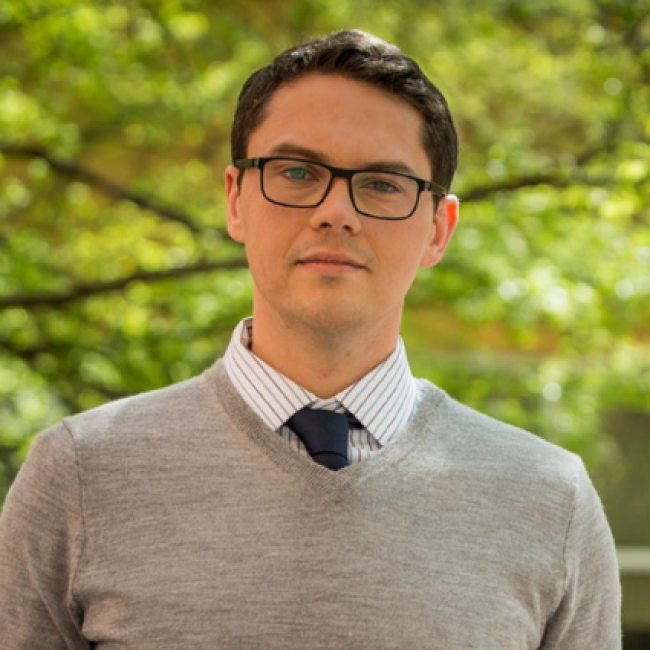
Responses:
[325,435]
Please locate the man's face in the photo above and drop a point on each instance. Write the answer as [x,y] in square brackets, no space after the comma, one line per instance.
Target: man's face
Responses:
[329,268]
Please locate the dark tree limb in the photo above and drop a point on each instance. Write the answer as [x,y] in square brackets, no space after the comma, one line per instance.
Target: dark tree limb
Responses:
[552,177]
[481,192]
[83,291]
[108,187]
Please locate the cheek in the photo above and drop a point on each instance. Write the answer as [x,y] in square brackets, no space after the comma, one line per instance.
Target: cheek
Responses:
[403,252]
[266,249]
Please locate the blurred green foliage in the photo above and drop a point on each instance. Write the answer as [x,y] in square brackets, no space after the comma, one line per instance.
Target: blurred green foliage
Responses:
[116,275]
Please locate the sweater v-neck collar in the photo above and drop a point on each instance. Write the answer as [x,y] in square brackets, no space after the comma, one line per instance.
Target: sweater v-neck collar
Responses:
[324,481]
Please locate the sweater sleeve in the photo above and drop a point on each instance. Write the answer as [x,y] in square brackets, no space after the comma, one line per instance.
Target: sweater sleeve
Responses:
[41,536]
[589,614]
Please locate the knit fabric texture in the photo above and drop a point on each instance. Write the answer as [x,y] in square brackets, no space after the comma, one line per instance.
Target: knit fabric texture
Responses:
[176,519]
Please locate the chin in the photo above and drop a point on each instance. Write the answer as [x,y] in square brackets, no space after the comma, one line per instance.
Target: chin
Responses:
[329,318]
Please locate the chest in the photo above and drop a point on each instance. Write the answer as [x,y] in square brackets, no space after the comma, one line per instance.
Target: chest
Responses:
[239,572]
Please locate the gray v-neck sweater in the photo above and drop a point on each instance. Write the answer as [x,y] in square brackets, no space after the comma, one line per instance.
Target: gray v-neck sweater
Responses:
[176,520]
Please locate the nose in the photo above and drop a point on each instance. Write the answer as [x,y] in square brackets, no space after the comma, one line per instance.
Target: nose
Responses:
[337,210]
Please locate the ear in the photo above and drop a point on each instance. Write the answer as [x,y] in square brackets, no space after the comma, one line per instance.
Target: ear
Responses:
[235,224]
[444,224]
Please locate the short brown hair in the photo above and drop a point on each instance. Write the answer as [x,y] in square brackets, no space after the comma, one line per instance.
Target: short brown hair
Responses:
[363,57]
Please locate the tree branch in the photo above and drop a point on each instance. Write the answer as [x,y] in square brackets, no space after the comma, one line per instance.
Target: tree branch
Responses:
[552,177]
[482,191]
[108,187]
[83,291]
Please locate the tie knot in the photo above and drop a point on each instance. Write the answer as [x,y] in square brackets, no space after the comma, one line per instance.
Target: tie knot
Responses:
[325,434]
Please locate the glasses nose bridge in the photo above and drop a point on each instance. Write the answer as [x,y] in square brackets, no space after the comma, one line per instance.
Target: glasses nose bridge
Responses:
[346,175]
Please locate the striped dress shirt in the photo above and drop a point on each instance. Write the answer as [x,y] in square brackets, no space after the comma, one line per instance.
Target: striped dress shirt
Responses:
[378,406]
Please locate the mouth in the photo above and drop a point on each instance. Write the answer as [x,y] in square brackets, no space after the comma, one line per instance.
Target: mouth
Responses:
[335,259]
[330,263]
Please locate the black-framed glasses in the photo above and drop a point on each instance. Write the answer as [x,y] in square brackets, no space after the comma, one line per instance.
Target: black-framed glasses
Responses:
[376,193]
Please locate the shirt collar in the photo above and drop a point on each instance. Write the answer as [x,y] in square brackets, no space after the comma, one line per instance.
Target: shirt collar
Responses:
[381,400]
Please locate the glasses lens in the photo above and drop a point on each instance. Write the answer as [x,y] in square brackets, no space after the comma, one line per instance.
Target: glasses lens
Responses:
[384,194]
[295,182]
[303,184]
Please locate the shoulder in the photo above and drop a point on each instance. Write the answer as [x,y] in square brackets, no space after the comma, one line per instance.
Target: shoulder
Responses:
[148,416]
[503,473]
[474,439]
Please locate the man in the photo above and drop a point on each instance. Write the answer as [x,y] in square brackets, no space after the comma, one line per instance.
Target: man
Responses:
[307,491]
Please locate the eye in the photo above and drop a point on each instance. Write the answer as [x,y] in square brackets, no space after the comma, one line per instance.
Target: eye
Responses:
[380,184]
[297,172]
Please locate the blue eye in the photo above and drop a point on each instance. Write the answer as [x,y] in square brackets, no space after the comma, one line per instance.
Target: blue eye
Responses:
[297,173]
[382,187]
[381,184]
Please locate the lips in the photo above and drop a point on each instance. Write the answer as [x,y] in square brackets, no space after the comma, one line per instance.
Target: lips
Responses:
[335,259]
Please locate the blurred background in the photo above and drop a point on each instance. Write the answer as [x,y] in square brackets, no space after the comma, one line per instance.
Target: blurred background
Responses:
[117,275]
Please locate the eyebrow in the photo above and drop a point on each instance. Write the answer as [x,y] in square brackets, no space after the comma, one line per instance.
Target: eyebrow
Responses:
[290,149]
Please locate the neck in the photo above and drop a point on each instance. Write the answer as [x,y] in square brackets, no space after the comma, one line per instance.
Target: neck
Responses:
[323,362]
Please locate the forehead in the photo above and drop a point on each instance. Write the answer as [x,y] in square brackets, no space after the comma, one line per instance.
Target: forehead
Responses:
[348,122]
